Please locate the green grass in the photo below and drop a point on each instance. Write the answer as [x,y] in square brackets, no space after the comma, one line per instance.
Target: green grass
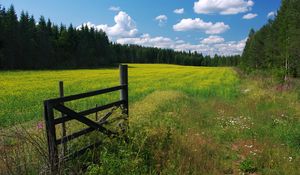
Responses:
[183,120]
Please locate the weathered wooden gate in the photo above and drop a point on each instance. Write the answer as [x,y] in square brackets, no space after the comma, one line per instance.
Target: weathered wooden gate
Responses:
[69,114]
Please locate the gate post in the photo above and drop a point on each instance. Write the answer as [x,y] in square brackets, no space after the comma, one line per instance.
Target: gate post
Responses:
[124,81]
[51,137]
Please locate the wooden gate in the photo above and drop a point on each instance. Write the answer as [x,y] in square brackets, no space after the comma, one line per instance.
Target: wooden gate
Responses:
[69,114]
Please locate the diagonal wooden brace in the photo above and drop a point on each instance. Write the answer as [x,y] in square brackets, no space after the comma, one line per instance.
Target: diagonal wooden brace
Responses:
[83,119]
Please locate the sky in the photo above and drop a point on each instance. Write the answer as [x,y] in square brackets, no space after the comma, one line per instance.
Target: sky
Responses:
[206,26]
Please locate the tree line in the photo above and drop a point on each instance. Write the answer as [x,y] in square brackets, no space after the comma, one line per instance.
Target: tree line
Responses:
[276,46]
[29,44]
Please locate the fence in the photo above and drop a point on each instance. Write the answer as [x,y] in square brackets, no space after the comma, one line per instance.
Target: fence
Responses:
[69,114]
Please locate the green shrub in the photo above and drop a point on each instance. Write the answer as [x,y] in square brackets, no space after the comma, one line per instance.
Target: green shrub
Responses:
[278,75]
[248,166]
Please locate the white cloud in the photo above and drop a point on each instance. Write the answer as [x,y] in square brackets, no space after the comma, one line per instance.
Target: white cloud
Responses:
[199,24]
[124,31]
[223,7]
[231,47]
[218,47]
[162,19]
[225,48]
[124,26]
[179,42]
[115,8]
[179,11]
[250,16]
[213,39]
[147,40]
[271,14]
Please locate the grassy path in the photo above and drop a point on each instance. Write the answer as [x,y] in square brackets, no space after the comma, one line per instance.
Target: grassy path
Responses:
[177,133]
[255,133]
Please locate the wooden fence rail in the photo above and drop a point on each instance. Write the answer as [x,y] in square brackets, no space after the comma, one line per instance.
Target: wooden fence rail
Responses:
[68,114]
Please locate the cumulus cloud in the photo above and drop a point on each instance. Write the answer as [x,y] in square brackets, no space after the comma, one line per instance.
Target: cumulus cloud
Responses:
[162,19]
[198,24]
[124,31]
[147,40]
[231,47]
[218,46]
[226,48]
[179,11]
[114,8]
[213,39]
[223,7]
[271,14]
[250,16]
[124,26]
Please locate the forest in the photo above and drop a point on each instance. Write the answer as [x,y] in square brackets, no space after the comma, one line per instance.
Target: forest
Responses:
[28,44]
[276,46]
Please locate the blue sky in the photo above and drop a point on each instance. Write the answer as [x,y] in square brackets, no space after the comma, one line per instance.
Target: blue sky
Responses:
[207,26]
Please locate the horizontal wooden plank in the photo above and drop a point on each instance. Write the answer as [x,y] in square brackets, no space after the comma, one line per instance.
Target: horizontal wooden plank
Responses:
[65,118]
[89,111]
[74,135]
[85,95]
[100,108]
[82,151]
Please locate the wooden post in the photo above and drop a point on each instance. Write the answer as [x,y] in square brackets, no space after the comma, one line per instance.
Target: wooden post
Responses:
[51,137]
[124,81]
[63,124]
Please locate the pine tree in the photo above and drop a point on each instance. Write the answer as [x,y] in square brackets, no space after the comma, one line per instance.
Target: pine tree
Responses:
[27,45]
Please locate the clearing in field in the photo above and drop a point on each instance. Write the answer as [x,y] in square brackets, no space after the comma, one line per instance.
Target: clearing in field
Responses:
[183,120]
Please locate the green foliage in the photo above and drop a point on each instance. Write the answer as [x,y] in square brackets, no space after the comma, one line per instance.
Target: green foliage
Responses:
[298,93]
[135,157]
[47,46]
[248,166]
[276,44]
[278,74]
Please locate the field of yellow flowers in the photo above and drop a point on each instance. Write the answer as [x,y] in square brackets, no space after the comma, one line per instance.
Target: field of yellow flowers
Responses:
[22,92]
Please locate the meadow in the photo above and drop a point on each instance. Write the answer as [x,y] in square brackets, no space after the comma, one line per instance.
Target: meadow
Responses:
[183,120]
[22,92]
